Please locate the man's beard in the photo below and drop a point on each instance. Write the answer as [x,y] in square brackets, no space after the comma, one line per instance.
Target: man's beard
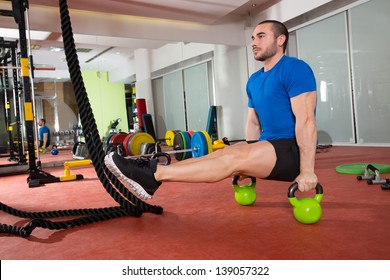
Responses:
[269,52]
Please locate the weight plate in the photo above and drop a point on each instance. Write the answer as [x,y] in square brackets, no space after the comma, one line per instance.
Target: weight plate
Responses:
[208,140]
[187,142]
[359,168]
[182,142]
[126,143]
[179,144]
[117,138]
[136,141]
[191,132]
[169,137]
[199,145]
[186,145]
[108,139]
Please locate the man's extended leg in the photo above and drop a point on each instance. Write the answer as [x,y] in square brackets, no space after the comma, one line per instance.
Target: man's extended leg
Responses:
[256,160]
[144,176]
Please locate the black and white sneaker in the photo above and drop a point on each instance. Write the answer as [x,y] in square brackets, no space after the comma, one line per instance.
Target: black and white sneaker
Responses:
[137,174]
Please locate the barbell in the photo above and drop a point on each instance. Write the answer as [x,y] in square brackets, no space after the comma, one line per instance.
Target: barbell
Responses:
[170,136]
[194,144]
[185,144]
[130,143]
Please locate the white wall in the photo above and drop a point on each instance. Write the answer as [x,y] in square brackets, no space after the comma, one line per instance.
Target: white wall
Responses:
[174,53]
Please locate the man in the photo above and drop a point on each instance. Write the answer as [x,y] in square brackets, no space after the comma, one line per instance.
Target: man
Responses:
[281,116]
[44,134]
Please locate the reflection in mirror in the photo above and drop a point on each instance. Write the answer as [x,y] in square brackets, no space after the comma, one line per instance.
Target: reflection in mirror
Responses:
[56,103]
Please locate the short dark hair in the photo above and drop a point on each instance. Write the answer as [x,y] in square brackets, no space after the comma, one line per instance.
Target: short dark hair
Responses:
[278,29]
[44,121]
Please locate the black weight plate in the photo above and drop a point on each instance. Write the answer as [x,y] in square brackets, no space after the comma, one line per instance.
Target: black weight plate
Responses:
[179,144]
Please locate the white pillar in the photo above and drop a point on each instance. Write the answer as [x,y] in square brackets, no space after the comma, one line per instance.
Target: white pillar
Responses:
[143,85]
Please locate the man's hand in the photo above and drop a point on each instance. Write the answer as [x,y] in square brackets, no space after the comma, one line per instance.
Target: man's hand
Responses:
[306,181]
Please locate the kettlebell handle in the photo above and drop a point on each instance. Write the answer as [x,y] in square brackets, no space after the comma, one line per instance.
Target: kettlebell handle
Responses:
[235,180]
[294,187]
[167,157]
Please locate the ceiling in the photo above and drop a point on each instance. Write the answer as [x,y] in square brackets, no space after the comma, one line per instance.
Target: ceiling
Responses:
[107,32]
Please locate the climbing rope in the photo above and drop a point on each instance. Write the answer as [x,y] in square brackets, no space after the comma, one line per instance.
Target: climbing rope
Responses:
[130,205]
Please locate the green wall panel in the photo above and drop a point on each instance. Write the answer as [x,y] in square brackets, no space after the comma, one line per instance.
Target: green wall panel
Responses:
[107,100]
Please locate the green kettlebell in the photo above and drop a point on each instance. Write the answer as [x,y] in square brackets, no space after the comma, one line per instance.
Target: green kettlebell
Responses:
[244,194]
[306,210]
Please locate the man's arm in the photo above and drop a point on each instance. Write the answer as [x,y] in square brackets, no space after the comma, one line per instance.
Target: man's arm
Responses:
[303,107]
[252,127]
[45,137]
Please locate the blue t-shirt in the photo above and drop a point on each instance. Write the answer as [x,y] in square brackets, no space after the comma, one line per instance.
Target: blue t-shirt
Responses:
[42,130]
[269,94]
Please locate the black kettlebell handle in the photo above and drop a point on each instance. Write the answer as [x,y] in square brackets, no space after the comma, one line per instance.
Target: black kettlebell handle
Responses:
[294,187]
[163,155]
[235,180]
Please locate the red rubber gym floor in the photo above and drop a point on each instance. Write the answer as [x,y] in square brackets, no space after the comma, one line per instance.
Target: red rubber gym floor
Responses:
[203,221]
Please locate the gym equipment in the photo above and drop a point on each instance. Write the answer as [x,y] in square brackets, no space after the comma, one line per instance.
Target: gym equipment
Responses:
[212,122]
[116,139]
[11,134]
[80,151]
[54,150]
[182,141]
[141,143]
[359,168]
[200,144]
[129,205]
[148,125]
[150,148]
[169,137]
[140,103]
[75,163]
[372,175]
[244,194]
[185,146]
[306,210]
[385,186]
[133,142]
[372,179]
[114,124]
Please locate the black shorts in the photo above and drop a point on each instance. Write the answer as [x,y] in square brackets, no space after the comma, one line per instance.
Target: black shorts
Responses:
[287,160]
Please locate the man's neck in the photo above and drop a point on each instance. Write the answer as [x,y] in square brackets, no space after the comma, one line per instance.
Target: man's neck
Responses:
[271,62]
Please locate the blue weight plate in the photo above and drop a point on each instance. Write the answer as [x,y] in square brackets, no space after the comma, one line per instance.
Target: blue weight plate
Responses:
[199,145]
[187,144]
[108,138]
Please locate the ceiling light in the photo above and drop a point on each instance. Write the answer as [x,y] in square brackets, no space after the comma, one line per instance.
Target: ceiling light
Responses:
[35,47]
[14,33]
[56,49]
[83,50]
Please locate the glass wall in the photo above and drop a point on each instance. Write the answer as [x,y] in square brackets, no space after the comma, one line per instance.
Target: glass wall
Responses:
[348,54]
[196,88]
[186,97]
[369,25]
[324,46]
[174,101]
